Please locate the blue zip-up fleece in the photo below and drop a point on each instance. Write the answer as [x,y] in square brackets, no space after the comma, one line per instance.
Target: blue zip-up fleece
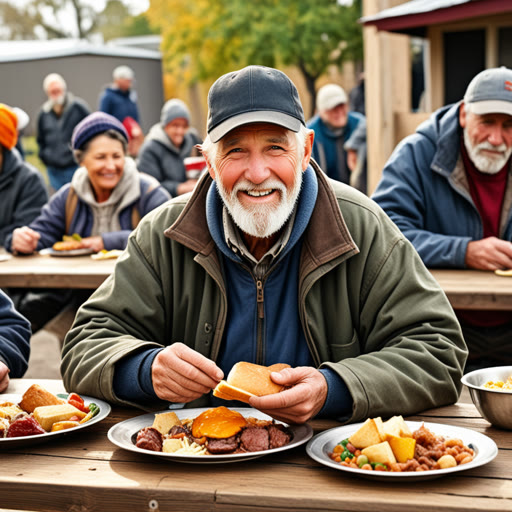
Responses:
[14,338]
[328,148]
[51,224]
[424,190]
[120,104]
[283,338]
[23,193]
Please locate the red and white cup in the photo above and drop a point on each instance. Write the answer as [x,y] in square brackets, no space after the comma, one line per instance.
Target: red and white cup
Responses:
[194,166]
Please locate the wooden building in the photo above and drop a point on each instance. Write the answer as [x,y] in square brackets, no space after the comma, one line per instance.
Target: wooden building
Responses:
[458,39]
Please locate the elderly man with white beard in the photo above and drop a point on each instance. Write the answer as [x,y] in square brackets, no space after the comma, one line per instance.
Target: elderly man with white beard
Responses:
[448,187]
[268,261]
[55,124]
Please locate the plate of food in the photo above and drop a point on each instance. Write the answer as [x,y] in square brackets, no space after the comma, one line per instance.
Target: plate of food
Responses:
[206,436]
[400,450]
[38,416]
[64,253]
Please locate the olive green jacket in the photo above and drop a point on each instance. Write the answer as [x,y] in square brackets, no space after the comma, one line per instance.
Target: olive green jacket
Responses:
[369,308]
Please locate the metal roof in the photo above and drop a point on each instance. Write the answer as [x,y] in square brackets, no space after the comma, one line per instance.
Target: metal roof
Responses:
[414,16]
[46,49]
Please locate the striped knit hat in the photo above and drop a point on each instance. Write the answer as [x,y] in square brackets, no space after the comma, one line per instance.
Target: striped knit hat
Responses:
[8,127]
[95,124]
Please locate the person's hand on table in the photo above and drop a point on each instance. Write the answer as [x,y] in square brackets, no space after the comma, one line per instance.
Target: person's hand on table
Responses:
[25,240]
[180,374]
[93,242]
[300,403]
[4,377]
[489,254]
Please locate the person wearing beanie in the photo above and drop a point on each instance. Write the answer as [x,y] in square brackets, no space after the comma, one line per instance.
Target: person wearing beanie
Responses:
[167,145]
[103,204]
[119,99]
[268,261]
[55,123]
[333,126]
[22,188]
[448,187]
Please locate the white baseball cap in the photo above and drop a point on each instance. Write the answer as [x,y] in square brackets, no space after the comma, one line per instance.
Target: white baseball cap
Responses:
[330,96]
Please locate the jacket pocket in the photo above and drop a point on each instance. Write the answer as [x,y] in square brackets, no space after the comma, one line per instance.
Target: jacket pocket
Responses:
[346,350]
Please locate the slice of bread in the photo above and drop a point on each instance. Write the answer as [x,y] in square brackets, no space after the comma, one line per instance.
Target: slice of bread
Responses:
[37,396]
[248,379]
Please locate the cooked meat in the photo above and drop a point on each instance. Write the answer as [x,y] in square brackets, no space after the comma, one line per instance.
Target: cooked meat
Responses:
[279,435]
[25,426]
[255,439]
[178,429]
[149,438]
[227,445]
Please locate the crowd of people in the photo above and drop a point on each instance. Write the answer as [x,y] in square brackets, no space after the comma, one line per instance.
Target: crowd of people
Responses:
[276,254]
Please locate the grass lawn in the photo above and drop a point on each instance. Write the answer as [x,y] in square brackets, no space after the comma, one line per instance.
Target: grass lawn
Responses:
[30,147]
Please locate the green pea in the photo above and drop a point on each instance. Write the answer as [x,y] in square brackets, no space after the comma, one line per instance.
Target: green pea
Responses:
[362,460]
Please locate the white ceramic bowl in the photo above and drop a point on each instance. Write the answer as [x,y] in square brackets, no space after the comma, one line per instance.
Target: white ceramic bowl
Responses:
[495,406]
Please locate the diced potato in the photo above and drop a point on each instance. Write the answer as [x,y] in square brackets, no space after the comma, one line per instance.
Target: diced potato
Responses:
[396,426]
[380,427]
[367,435]
[447,461]
[164,421]
[381,452]
[403,447]
[47,415]
[171,445]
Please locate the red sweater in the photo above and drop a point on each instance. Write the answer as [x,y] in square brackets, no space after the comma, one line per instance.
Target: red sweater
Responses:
[487,192]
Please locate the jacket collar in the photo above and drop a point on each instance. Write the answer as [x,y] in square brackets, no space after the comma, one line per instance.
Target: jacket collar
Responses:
[326,238]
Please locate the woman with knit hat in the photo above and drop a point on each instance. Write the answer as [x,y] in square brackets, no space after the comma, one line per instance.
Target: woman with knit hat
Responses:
[22,189]
[166,146]
[103,203]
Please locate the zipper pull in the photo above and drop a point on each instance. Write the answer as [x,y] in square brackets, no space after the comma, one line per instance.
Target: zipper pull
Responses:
[259,297]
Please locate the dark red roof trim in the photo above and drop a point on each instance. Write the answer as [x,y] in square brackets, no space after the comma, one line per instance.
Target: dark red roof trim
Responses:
[456,13]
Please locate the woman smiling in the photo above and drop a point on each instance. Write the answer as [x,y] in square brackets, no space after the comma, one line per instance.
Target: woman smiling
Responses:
[106,198]
[103,204]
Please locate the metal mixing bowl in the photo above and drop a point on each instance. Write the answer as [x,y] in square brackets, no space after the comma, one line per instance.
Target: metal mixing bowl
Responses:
[495,406]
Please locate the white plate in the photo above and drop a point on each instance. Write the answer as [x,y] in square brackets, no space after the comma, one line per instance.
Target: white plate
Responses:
[76,252]
[123,435]
[485,450]
[15,442]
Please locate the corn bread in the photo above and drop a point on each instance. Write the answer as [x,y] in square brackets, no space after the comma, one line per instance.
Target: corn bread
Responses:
[47,415]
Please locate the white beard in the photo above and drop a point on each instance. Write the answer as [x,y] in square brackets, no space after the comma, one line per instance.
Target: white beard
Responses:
[261,221]
[484,163]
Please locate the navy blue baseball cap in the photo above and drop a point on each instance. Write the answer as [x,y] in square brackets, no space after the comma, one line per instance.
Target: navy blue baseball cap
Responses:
[254,94]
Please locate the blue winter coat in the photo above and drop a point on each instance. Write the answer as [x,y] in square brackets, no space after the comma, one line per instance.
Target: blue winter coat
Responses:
[328,148]
[51,224]
[22,193]
[425,192]
[14,338]
[120,104]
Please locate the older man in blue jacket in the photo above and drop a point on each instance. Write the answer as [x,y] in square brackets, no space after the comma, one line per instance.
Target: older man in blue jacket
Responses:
[448,187]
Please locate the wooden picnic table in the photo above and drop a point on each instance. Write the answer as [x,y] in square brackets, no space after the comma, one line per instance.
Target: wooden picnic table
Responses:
[45,271]
[466,289]
[475,289]
[85,471]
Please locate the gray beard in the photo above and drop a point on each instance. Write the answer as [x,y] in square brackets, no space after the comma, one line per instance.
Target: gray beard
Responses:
[486,164]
